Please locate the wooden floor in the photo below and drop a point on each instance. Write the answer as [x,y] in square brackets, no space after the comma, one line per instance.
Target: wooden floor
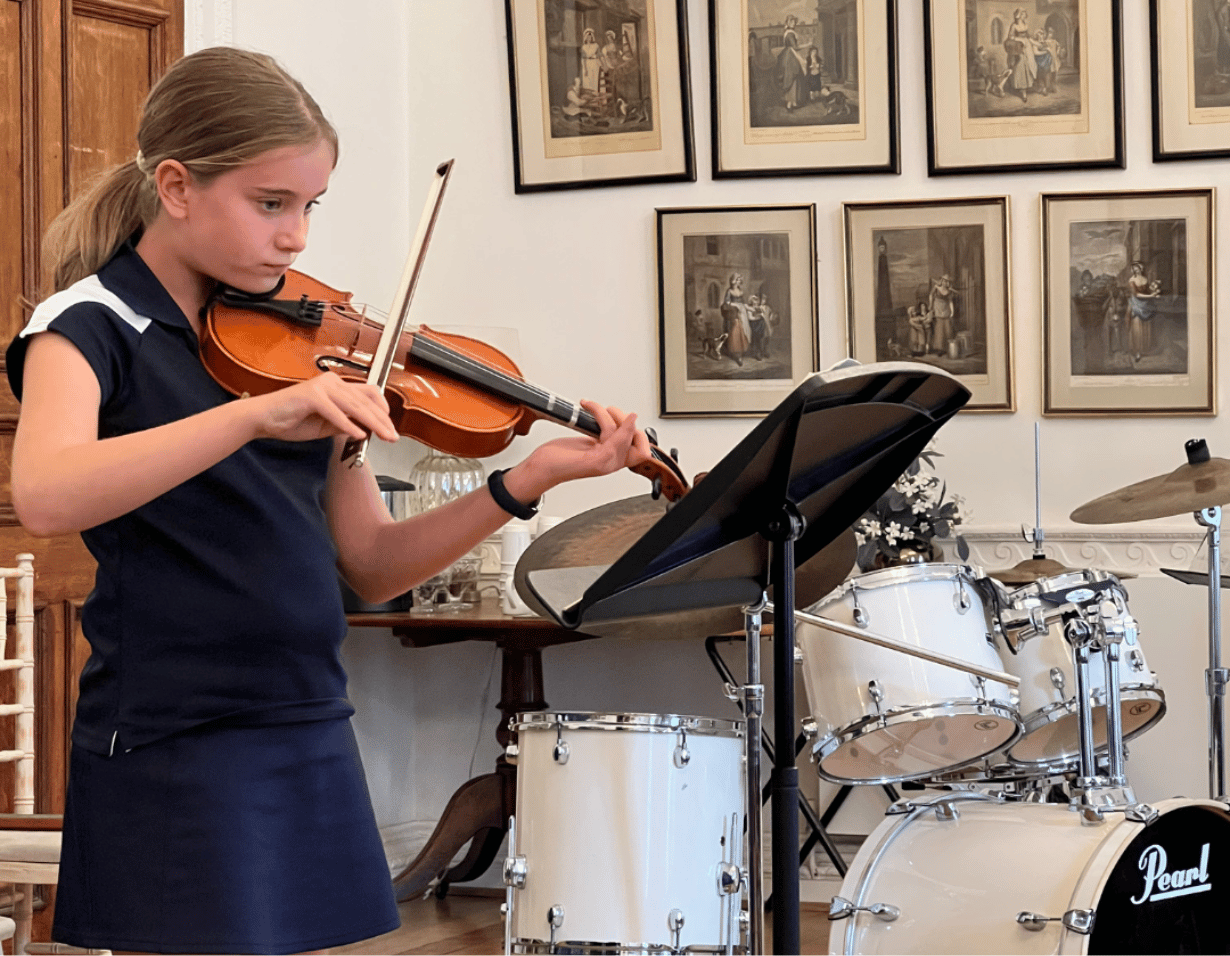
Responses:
[473,925]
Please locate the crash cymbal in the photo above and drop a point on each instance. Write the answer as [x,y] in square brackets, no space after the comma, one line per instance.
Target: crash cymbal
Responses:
[602,535]
[1034,569]
[1187,489]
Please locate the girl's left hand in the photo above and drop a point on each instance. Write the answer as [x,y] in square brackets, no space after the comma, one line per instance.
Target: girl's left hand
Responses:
[619,445]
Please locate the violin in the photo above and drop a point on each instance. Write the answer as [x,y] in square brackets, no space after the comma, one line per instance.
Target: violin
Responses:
[452,392]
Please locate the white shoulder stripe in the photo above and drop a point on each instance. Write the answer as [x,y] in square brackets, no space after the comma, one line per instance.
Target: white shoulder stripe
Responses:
[88,289]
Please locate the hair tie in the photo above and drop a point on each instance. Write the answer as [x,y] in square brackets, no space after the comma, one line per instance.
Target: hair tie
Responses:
[140,162]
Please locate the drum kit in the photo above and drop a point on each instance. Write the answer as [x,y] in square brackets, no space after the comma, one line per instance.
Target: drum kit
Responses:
[1003,700]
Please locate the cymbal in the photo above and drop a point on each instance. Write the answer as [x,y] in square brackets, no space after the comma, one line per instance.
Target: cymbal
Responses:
[602,535]
[1034,569]
[1187,489]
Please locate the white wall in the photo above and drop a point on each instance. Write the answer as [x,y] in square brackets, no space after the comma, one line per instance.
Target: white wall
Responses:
[412,83]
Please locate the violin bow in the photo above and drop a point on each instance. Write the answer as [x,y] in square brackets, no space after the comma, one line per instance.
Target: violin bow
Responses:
[382,362]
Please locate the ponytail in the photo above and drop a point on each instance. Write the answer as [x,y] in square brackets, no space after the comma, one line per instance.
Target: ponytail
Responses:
[90,229]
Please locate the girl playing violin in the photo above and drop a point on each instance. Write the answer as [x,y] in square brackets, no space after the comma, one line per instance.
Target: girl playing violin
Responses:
[216,798]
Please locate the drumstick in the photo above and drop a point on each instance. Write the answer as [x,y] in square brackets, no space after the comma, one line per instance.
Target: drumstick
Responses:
[894,645]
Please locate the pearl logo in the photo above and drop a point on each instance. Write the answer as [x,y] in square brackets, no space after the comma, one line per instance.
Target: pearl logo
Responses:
[1163,884]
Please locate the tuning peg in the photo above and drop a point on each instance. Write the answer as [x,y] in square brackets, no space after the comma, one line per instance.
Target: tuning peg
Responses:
[674,454]
[651,435]
[657,488]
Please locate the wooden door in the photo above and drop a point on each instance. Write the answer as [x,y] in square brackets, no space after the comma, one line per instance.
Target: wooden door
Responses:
[73,75]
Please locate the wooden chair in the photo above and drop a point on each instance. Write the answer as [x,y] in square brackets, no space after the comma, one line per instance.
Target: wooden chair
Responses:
[29,842]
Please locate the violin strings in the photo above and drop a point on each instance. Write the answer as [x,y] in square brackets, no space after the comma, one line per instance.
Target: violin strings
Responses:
[465,364]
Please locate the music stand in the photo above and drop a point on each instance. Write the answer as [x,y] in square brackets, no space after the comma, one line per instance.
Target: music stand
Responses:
[803,475]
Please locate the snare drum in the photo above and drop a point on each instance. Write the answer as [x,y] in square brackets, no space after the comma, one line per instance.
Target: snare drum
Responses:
[883,715]
[1047,669]
[625,825]
[965,873]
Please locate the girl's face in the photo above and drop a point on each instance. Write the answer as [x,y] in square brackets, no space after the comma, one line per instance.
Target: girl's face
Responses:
[248,225]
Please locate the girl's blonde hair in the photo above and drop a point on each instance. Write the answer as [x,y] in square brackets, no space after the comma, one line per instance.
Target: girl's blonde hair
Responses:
[212,111]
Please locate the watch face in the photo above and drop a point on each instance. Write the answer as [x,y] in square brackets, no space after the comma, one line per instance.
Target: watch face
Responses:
[1167,893]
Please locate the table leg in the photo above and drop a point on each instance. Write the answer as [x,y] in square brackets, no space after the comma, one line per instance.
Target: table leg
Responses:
[480,808]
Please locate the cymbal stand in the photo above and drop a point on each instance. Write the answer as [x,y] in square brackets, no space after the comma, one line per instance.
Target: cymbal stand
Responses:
[1037,536]
[753,707]
[1216,677]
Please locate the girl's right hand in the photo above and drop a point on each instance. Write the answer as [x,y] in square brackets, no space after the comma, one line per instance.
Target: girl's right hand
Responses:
[322,407]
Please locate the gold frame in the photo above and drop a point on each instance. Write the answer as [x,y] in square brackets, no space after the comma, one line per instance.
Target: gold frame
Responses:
[1078,363]
[873,331]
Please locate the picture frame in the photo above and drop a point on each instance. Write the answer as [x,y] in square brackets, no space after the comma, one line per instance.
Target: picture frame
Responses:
[791,98]
[930,281]
[600,95]
[1128,303]
[1190,81]
[737,307]
[1007,94]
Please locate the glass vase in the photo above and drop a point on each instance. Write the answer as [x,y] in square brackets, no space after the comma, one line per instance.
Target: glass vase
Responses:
[439,478]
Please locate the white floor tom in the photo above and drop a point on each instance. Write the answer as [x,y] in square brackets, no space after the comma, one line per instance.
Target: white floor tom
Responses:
[1046,666]
[966,873]
[626,825]
[885,716]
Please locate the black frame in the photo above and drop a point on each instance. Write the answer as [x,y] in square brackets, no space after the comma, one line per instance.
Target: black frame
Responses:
[687,174]
[891,164]
[1116,161]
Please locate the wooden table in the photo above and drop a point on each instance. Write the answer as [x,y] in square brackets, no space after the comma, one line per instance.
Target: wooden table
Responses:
[480,808]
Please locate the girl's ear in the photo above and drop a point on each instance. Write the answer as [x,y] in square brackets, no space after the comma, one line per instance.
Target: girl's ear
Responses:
[173,181]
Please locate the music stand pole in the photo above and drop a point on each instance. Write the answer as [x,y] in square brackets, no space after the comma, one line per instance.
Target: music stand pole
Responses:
[753,707]
[782,533]
[1216,677]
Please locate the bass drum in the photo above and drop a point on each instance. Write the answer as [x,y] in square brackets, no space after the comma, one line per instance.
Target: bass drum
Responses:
[970,874]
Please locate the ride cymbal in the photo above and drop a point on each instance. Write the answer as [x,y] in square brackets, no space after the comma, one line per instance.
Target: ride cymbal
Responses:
[602,535]
[1189,488]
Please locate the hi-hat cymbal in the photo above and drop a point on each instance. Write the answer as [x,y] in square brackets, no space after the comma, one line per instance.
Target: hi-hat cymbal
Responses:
[1187,489]
[1035,569]
[602,535]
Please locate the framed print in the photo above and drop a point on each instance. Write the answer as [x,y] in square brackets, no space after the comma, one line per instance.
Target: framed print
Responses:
[1127,320]
[1015,87]
[736,307]
[600,93]
[1191,79]
[803,88]
[928,281]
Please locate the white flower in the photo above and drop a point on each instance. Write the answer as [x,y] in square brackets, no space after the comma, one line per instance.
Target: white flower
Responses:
[893,532]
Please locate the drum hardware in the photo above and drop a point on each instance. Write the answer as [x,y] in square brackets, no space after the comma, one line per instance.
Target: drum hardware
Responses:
[1078,921]
[841,908]
[674,921]
[515,871]
[877,696]
[730,880]
[1200,487]
[681,756]
[555,919]
[560,752]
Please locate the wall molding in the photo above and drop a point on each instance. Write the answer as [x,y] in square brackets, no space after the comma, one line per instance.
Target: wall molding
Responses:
[1143,553]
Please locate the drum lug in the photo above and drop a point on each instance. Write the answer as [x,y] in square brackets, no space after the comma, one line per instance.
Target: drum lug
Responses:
[1141,813]
[877,695]
[511,753]
[810,729]
[1057,680]
[682,755]
[674,922]
[560,752]
[947,811]
[729,879]
[555,917]
[842,908]
[1078,921]
[961,599]
[861,617]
